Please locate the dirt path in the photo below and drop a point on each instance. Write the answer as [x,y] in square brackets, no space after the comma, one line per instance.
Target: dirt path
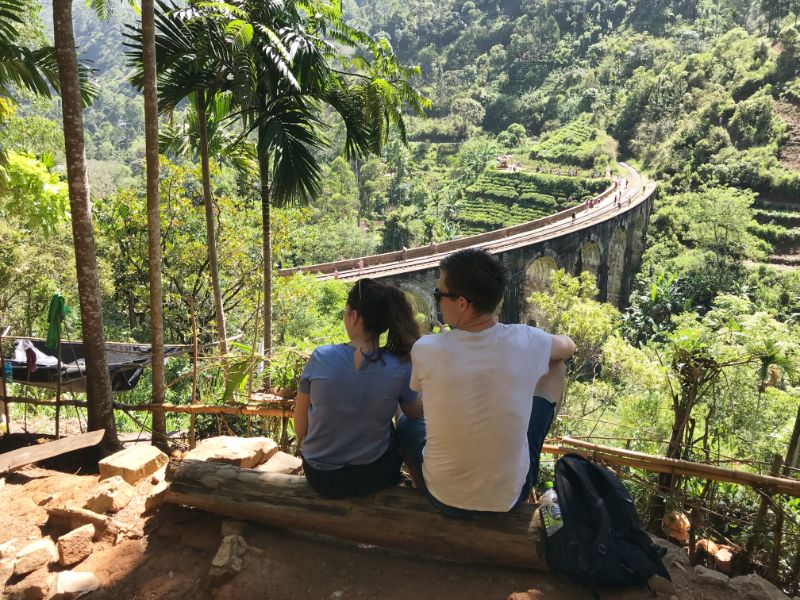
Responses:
[167,554]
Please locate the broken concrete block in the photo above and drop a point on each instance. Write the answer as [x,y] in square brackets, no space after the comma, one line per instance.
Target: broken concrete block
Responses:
[156,497]
[281,462]
[239,452]
[75,546]
[229,558]
[35,555]
[134,463]
[72,583]
[111,495]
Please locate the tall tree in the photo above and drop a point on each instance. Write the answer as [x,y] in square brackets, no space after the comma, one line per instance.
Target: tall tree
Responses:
[159,422]
[98,380]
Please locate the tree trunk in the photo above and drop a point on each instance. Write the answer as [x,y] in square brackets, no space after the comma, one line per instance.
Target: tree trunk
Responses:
[398,518]
[153,220]
[98,380]
[211,236]
[263,163]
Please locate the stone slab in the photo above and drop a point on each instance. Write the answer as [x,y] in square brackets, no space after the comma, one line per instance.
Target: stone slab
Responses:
[240,452]
[75,546]
[710,577]
[70,584]
[229,558]
[134,463]
[110,495]
[280,462]
[33,556]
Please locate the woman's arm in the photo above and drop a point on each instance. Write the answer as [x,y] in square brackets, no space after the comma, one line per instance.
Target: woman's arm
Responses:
[301,403]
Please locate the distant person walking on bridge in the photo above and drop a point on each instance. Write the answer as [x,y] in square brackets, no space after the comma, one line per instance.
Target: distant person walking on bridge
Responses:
[349,393]
[489,393]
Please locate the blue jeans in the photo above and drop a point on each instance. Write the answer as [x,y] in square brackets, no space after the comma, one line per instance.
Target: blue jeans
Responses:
[411,442]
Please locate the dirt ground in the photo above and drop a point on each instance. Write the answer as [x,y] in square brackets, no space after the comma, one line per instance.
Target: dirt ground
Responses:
[167,554]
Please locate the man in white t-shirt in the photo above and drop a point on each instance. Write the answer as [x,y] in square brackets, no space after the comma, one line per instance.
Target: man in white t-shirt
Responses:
[489,393]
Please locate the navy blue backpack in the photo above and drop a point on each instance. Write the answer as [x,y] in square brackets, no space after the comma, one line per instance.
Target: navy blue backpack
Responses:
[602,541]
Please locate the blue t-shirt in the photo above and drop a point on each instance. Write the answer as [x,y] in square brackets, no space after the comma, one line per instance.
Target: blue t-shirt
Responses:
[351,410]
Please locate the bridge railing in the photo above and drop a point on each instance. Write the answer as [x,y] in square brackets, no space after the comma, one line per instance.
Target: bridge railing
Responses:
[448,246]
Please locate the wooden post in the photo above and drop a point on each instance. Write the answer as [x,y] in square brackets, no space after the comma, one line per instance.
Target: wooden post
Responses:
[399,518]
[193,416]
[6,412]
[58,384]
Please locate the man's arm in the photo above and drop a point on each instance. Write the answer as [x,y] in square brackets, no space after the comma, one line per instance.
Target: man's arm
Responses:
[561,348]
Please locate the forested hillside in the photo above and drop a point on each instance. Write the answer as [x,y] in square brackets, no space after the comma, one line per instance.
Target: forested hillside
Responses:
[518,110]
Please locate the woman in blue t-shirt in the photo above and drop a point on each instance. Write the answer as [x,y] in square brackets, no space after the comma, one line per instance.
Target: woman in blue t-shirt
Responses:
[349,393]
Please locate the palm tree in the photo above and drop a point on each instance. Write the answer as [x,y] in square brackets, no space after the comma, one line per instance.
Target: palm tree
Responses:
[205,134]
[285,68]
[159,423]
[184,47]
[98,381]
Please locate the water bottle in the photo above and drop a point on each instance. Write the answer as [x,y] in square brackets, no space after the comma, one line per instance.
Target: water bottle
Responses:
[551,512]
[8,372]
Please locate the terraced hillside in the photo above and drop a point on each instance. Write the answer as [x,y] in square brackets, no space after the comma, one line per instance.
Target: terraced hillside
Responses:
[503,198]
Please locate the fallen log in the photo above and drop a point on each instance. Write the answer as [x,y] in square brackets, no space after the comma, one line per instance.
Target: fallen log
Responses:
[398,518]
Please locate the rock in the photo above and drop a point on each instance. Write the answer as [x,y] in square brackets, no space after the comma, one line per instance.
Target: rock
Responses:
[337,595]
[134,463]
[37,586]
[70,517]
[72,583]
[75,546]
[520,596]
[239,452]
[281,462]
[158,476]
[233,528]
[675,524]
[7,548]
[753,587]
[35,555]
[710,577]
[111,495]
[229,558]
[675,554]
[156,497]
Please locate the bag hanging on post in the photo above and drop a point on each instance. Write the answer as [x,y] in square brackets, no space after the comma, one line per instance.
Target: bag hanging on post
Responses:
[602,541]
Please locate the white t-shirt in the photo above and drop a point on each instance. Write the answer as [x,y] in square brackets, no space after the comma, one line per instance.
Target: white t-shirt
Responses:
[477,390]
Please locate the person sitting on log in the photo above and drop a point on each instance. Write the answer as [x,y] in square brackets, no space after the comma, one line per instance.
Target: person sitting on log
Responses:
[349,393]
[489,393]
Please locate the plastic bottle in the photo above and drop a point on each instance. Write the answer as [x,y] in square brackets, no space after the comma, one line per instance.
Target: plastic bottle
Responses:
[551,512]
[8,372]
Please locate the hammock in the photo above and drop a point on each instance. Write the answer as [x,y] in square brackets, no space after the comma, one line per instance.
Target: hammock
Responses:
[34,364]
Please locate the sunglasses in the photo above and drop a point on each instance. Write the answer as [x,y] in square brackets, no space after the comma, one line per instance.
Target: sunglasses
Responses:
[438,295]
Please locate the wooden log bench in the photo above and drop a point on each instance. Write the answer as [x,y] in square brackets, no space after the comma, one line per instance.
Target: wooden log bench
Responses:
[398,518]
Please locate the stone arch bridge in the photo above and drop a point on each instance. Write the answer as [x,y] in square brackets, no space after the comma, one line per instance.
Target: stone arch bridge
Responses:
[606,239]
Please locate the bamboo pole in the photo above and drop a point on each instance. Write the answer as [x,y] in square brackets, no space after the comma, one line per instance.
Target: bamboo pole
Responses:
[658,464]
[196,409]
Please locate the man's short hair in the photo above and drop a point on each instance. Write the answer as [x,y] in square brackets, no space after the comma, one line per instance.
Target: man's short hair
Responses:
[476,275]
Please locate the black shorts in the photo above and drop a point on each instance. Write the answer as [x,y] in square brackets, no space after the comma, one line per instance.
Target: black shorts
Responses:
[356,480]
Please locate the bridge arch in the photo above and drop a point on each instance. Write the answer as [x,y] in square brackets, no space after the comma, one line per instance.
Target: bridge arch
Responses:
[615,266]
[589,258]
[422,305]
[537,279]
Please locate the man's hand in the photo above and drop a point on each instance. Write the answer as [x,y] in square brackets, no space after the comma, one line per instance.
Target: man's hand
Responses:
[562,347]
